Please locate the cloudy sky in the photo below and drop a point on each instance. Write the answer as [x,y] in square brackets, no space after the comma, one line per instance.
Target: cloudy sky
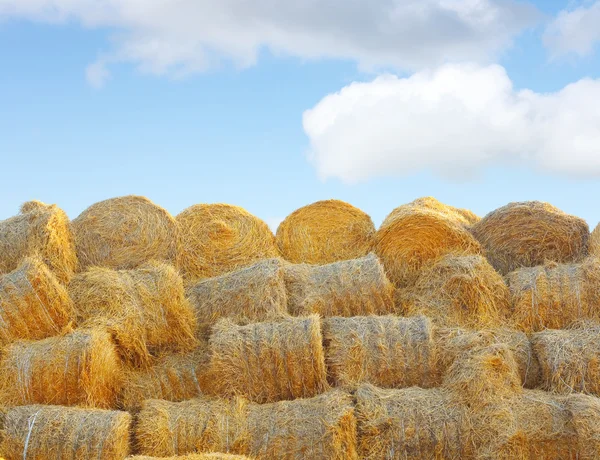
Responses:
[273,104]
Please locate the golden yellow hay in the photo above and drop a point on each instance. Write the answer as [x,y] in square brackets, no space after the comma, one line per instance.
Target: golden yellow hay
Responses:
[124,233]
[219,238]
[413,236]
[347,288]
[466,216]
[325,232]
[267,362]
[210,456]
[145,308]
[53,432]
[33,303]
[526,234]
[458,290]
[81,368]
[387,351]
[255,293]
[594,242]
[43,230]
[555,295]
[322,427]
[585,414]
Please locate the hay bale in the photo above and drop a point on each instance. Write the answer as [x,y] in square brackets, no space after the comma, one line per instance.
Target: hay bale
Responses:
[80,368]
[33,303]
[466,216]
[347,288]
[267,362]
[387,351]
[411,423]
[210,456]
[255,293]
[53,432]
[42,230]
[145,308]
[411,237]
[325,232]
[526,234]
[124,233]
[219,238]
[458,290]
[585,413]
[555,295]
[319,427]
[594,242]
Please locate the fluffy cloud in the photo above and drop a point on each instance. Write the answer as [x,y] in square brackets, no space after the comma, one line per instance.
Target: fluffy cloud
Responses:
[453,121]
[179,37]
[574,31]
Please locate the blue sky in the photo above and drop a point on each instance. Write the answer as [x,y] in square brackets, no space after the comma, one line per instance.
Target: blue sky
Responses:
[98,100]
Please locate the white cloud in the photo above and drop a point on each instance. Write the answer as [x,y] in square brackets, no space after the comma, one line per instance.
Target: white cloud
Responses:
[453,121]
[179,37]
[97,74]
[574,31]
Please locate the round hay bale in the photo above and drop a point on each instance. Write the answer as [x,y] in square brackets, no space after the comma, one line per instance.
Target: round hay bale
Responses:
[466,216]
[124,233]
[412,237]
[594,242]
[42,230]
[33,303]
[219,238]
[526,234]
[50,432]
[145,308]
[81,368]
[347,288]
[325,232]
[458,290]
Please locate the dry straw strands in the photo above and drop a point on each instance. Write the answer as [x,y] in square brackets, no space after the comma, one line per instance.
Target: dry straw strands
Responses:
[210,456]
[145,308]
[594,242]
[325,232]
[269,361]
[526,234]
[387,351]
[219,238]
[80,368]
[53,432]
[347,288]
[33,303]
[466,216]
[124,232]
[555,295]
[42,230]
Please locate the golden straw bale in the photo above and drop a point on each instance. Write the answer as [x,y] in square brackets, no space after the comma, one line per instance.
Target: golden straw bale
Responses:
[124,233]
[267,362]
[43,230]
[526,234]
[411,423]
[466,216]
[255,293]
[219,238]
[347,288]
[51,432]
[324,232]
[210,456]
[458,290]
[412,236]
[387,351]
[80,368]
[145,308]
[554,295]
[594,242]
[585,414]
[33,303]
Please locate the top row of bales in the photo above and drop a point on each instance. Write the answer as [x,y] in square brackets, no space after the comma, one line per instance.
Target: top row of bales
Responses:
[208,240]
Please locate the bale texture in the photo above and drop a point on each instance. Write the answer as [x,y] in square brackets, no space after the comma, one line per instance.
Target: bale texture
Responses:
[585,413]
[325,232]
[268,362]
[554,295]
[54,432]
[124,233]
[466,216]
[526,234]
[412,237]
[219,238]
[145,308]
[42,230]
[348,288]
[458,290]
[210,456]
[33,303]
[387,351]
[594,242]
[81,368]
